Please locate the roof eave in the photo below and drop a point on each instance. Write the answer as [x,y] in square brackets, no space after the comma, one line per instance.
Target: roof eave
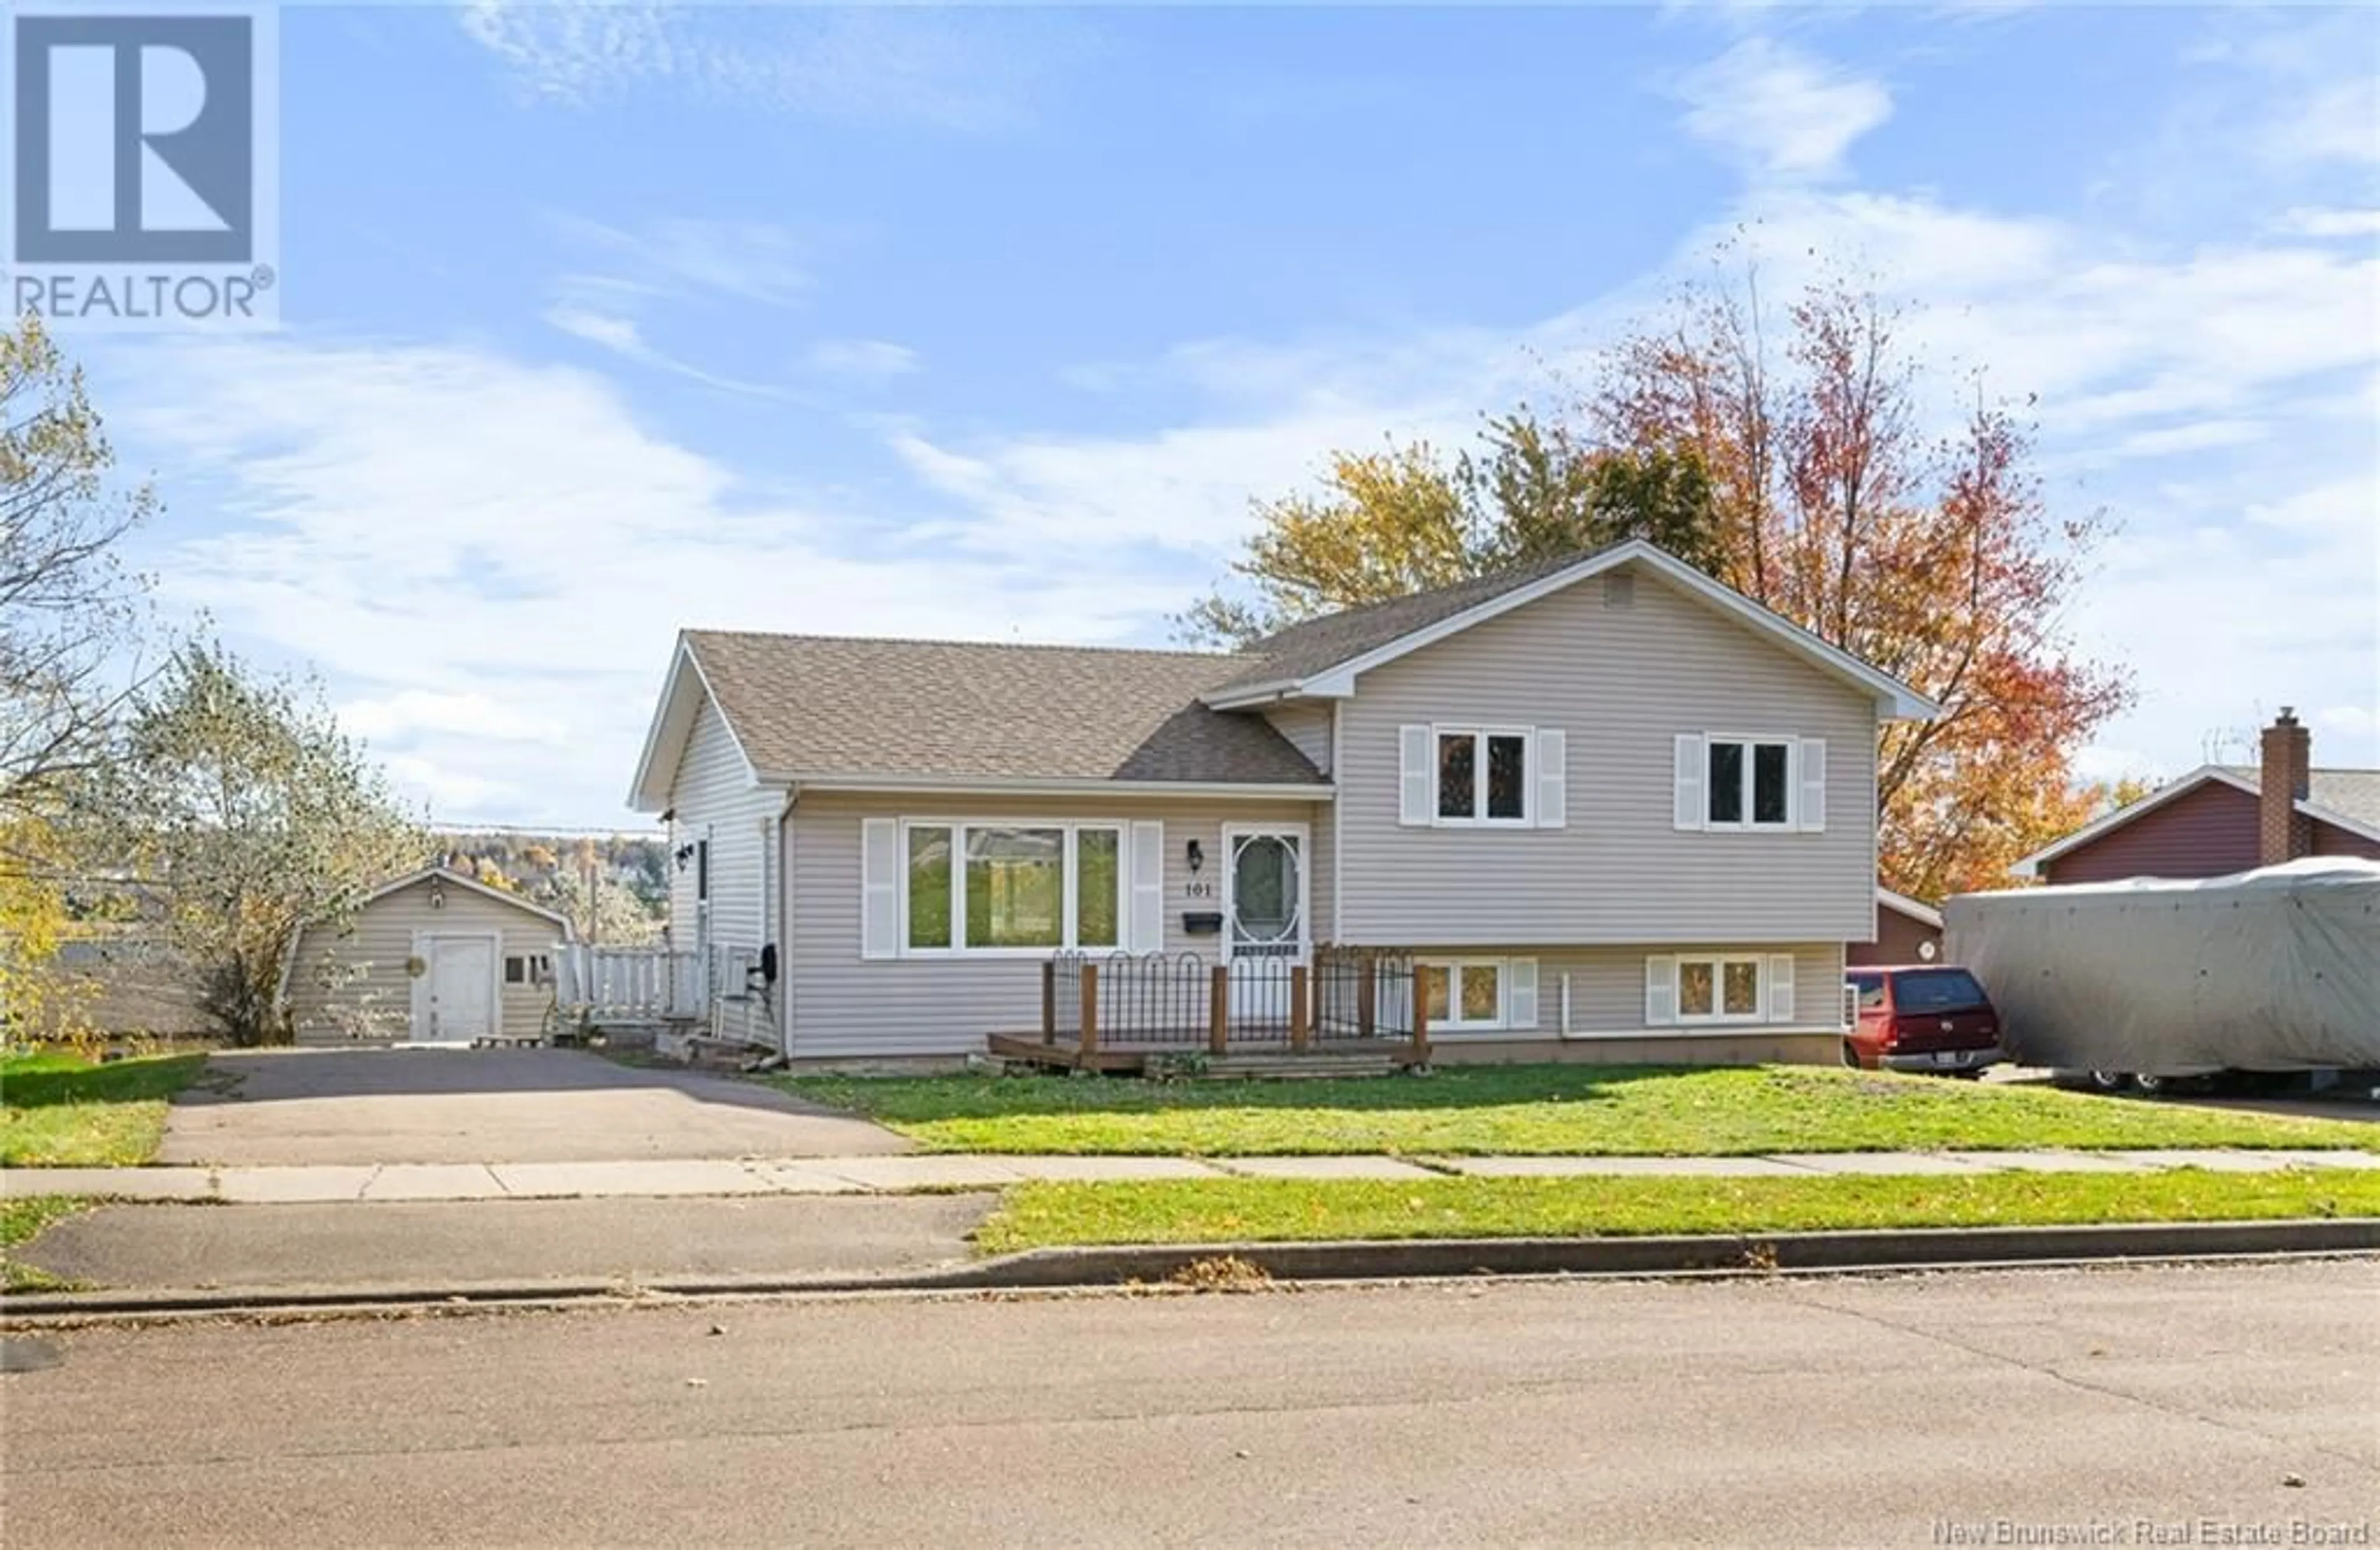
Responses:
[2338,819]
[1271,692]
[665,740]
[1896,701]
[960,786]
[448,874]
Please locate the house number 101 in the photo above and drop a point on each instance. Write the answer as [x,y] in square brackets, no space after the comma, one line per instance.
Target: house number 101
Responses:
[1195,890]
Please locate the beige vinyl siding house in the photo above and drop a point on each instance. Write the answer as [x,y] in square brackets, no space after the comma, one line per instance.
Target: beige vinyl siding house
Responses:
[435,957]
[1613,810]
[847,1003]
[1619,685]
[724,834]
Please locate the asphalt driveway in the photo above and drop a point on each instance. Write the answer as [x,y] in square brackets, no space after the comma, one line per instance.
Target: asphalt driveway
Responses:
[299,1107]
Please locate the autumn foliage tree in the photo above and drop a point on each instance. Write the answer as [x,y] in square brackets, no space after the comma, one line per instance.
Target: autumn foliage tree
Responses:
[1408,517]
[1917,540]
[1805,457]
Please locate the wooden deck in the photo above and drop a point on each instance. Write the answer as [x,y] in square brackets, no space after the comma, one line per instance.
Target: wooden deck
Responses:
[1244,1057]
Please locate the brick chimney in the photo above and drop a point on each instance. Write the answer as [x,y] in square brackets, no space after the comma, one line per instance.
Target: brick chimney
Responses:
[2282,832]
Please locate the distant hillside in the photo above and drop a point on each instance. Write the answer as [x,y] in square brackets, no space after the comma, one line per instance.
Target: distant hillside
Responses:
[630,900]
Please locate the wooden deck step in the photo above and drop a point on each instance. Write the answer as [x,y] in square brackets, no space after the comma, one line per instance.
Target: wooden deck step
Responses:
[1273,1066]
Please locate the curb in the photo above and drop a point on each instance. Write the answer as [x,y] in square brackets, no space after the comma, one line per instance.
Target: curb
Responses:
[1415,1259]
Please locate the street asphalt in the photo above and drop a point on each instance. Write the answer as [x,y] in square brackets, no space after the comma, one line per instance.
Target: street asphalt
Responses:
[2134,1406]
[302,1107]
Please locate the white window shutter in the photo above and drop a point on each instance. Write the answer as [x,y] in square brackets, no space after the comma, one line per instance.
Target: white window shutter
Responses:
[1689,764]
[1553,777]
[880,888]
[1148,886]
[1780,988]
[1661,992]
[1813,810]
[1413,776]
[1520,993]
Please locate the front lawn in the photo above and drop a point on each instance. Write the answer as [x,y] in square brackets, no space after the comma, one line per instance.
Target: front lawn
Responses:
[1267,1210]
[60,1110]
[1555,1110]
[19,1220]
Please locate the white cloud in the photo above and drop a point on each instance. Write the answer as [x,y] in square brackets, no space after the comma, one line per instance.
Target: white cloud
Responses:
[948,69]
[746,261]
[2200,394]
[411,712]
[2339,121]
[468,545]
[868,359]
[2316,222]
[1779,111]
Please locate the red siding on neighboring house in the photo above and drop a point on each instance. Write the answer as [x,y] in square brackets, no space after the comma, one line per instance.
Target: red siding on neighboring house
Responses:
[1898,938]
[2206,833]
[2331,839]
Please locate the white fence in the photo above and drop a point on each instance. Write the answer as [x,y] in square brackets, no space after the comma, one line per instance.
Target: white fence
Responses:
[643,982]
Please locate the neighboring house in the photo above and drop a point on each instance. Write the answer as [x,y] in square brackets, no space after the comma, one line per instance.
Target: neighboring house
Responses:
[2223,818]
[432,957]
[1906,932]
[121,982]
[1615,809]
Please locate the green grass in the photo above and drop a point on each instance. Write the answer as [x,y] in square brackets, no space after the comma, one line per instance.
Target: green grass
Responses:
[19,1220]
[1564,1111]
[59,1110]
[1267,1210]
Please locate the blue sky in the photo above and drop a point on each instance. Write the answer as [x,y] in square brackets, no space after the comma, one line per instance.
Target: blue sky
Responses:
[603,321]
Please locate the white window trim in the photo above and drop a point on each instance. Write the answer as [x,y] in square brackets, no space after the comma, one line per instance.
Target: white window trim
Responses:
[1719,962]
[1480,734]
[1122,828]
[1792,822]
[1453,967]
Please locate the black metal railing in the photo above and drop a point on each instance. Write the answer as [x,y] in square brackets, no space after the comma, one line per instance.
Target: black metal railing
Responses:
[1156,1000]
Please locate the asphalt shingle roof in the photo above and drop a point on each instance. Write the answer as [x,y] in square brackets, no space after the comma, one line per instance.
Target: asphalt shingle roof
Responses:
[1318,644]
[2354,793]
[818,706]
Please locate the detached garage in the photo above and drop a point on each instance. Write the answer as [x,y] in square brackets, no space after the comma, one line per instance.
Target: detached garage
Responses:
[434,957]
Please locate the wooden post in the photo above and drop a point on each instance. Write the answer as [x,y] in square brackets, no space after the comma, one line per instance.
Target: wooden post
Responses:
[1090,1025]
[1218,1009]
[1299,1020]
[1048,1000]
[1421,1019]
[1368,994]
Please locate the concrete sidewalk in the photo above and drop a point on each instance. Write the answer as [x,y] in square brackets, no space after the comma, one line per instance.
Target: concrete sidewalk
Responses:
[892,1175]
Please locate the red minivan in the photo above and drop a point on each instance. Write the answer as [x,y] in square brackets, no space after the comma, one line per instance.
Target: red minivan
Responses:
[1925,1017]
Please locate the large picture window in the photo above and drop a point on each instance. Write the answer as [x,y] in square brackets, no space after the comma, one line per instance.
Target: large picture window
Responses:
[1482,776]
[988,887]
[1750,784]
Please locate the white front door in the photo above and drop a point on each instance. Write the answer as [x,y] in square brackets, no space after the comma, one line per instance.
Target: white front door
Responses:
[1264,919]
[461,1000]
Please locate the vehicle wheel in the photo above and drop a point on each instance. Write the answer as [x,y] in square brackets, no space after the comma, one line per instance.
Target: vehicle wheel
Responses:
[2150,1085]
[2110,1081]
[1851,1055]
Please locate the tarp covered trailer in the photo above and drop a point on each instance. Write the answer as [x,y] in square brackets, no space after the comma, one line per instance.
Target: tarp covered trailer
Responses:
[2274,970]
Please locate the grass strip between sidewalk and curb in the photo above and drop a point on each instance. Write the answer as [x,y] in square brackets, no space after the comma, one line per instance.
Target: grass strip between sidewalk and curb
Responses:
[61,1110]
[1540,1110]
[1265,1210]
[20,1220]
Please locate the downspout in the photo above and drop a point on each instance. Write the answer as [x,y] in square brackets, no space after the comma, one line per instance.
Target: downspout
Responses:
[1338,832]
[781,990]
